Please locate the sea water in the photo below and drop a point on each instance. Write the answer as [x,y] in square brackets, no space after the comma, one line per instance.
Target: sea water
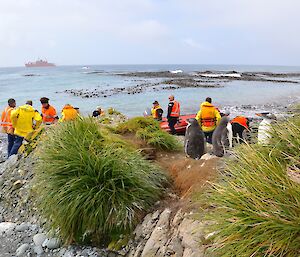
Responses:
[51,82]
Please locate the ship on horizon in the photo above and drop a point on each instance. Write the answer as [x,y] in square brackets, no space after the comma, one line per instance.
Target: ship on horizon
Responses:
[40,63]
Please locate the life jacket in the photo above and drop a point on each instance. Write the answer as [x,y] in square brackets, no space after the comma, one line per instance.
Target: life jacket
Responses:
[240,120]
[208,117]
[154,111]
[6,121]
[175,109]
[69,113]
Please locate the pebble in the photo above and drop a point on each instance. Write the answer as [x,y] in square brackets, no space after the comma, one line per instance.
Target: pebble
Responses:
[52,243]
[22,227]
[39,239]
[38,250]
[22,249]
[6,227]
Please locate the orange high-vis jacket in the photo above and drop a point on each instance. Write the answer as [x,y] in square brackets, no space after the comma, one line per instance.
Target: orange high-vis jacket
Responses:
[49,114]
[69,113]
[175,110]
[240,120]
[6,121]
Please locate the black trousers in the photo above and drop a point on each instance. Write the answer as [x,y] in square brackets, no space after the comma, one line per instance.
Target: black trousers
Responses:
[237,130]
[172,121]
[208,136]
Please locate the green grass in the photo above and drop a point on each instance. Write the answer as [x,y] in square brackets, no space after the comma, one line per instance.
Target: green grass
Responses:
[148,129]
[92,185]
[255,205]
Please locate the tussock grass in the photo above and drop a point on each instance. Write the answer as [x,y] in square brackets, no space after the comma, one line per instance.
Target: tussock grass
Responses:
[148,129]
[256,206]
[93,185]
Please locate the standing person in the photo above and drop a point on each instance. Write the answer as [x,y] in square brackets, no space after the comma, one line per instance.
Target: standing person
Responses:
[48,111]
[157,111]
[209,117]
[7,125]
[69,113]
[173,113]
[23,119]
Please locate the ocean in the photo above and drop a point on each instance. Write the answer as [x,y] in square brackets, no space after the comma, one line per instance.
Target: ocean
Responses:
[239,96]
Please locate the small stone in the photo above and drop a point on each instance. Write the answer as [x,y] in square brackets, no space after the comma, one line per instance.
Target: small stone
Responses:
[39,239]
[38,250]
[6,226]
[52,243]
[22,227]
[22,249]
[18,184]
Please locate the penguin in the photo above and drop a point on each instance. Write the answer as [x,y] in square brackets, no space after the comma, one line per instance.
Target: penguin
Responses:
[220,136]
[194,142]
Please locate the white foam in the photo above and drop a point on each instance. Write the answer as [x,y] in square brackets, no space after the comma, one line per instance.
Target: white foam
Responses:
[217,75]
[175,71]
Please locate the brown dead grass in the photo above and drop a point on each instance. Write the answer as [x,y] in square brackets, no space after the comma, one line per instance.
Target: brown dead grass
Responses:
[189,175]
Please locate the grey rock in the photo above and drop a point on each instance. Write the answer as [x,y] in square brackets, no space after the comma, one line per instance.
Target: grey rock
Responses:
[10,163]
[38,250]
[22,249]
[39,239]
[22,227]
[7,227]
[155,244]
[52,243]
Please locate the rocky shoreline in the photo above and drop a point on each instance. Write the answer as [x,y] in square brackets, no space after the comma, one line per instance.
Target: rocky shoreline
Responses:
[206,79]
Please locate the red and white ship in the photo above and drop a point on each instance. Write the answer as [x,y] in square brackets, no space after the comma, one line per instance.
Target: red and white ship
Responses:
[40,63]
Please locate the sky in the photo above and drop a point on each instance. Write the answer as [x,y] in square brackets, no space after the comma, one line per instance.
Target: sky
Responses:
[86,32]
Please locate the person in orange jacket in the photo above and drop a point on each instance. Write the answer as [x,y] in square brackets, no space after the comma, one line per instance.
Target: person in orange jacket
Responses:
[239,124]
[48,111]
[7,125]
[68,113]
[173,113]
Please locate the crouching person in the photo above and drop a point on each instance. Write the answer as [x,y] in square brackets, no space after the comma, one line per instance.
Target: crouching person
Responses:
[24,120]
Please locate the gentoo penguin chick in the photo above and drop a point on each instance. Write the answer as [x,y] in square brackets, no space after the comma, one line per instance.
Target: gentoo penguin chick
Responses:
[194,140]
[219,136]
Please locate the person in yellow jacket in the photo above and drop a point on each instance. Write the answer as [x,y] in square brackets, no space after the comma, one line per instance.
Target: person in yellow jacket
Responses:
[208,117]
[6,124]
[157,111]
[68,113]
[24,120]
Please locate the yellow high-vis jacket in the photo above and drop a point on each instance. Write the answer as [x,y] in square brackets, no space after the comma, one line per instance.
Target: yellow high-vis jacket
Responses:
[208,117]
[23,118]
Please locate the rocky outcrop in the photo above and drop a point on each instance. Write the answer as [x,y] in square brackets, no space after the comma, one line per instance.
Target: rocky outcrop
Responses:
[164,234]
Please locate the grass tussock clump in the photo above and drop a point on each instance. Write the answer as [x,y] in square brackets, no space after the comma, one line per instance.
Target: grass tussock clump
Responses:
[256,204]
[148,129]
[91,184]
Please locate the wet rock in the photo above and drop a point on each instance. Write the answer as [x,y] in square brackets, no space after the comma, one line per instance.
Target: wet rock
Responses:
[9,164]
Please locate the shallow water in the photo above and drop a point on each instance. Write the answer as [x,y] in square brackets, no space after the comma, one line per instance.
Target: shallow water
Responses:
[49,81]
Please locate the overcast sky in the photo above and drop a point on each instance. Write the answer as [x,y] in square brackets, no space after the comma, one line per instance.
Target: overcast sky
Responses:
[150,31]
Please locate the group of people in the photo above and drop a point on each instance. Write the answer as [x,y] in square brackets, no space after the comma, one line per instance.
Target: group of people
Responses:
[19,122]
[208,117]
